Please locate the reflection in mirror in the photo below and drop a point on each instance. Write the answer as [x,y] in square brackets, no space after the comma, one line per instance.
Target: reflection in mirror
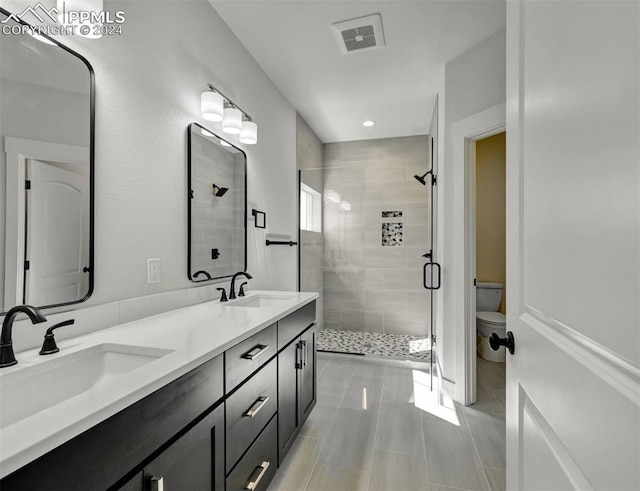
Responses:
[46,173]
[217,206]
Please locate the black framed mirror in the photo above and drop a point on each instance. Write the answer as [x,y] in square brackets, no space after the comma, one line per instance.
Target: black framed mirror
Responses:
[217,209]
[47,116]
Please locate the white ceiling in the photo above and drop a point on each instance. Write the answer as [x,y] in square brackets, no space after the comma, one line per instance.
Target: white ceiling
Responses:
[395,86]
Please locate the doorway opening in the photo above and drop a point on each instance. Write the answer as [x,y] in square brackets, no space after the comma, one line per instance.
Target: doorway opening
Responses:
[488,238]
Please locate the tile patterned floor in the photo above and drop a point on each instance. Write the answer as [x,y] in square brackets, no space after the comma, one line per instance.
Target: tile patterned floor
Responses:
[379,428]
[397,346]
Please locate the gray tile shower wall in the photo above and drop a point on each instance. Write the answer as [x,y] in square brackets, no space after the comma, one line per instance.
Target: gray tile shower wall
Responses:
[368,285]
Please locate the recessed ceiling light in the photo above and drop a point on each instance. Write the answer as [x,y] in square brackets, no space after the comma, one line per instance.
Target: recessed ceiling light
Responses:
[368,123]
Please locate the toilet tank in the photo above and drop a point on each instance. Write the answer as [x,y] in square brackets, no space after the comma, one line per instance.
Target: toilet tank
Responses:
[488,297]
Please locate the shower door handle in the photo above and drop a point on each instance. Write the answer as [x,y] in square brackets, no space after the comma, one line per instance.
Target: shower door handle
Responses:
[429,286]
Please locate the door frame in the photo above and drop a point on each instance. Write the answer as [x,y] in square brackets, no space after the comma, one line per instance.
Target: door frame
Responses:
[465,132]
[18,151]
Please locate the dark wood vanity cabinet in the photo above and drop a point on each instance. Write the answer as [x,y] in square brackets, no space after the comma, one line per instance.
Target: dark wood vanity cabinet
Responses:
[296,375]
[307,373]
[108,455]
[227,424]
[296,388]
[194,462]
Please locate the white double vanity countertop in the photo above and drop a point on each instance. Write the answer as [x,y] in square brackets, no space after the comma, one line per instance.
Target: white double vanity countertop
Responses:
[48,400]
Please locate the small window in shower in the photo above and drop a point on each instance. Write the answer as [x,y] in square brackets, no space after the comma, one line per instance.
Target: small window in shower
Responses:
[310,209]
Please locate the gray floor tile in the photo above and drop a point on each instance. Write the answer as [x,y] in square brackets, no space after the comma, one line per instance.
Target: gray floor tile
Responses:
[440,487]
[400,429]
[298,466]
[321,364]
[397,472]
[493,373]
[369,370]
[363,393]
[451,456]
[434,406]
[352,445]
[350,441]
[322,417]
[398,385]
[500,395]
[334,478]
[497,479]
[488,433]
[485,400]
[336,376]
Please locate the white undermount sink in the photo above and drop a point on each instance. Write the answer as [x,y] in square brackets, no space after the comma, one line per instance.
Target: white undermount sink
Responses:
[260,300]
[35,388]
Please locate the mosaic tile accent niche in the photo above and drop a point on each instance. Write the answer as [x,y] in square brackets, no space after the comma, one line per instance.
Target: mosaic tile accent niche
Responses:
[392,229]
[392,234]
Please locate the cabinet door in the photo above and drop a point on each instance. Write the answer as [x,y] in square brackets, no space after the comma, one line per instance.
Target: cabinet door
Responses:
[288,414]
[195,462]
[135,484]
[307,374]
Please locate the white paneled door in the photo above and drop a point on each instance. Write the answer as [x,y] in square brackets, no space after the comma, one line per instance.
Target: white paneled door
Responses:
[57,235]
[573,244]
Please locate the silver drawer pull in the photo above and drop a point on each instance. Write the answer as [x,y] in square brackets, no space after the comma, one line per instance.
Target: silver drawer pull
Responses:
[257,406]
[254,480]
[255,352]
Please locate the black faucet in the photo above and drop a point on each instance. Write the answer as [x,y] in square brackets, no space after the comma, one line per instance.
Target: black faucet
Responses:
[223,295]
[232,292]
[241,292]
[49,345]
[7,357]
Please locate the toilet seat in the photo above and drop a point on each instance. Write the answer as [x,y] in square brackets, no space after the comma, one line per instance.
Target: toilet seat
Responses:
[495,319]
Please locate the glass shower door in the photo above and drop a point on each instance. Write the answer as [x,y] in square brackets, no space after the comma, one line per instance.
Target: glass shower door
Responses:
[432,272]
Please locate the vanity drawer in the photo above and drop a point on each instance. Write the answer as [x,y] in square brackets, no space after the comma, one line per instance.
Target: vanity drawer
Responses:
[249,355]
[249,409]
[258,466]
[296,322]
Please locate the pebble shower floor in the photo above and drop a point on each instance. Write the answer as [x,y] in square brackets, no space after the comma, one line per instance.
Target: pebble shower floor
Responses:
[397,346]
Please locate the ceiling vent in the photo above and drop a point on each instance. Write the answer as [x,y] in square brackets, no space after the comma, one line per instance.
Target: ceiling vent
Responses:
[361,34]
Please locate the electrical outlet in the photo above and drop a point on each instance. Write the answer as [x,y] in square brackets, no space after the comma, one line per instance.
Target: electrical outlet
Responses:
[153,270]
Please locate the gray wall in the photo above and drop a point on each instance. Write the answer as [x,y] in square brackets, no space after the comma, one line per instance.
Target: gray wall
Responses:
[148,85]
[474,81]
[310,161]
[368,286]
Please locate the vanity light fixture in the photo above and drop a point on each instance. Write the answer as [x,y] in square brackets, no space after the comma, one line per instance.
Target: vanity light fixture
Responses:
[204,132]
[224,143]
[232,122]
[215,106]
[211,106]
[368,123]
[249,133]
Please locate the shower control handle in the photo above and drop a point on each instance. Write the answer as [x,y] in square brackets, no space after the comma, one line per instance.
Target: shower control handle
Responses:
[495,342]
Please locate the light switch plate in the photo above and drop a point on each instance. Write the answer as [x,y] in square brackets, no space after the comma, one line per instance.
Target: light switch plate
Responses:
[153,270]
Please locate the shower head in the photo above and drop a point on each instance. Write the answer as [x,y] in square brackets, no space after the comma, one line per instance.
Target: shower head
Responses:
[420,179]
[218,191]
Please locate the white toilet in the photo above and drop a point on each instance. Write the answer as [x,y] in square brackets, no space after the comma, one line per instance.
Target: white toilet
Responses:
[489,320]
